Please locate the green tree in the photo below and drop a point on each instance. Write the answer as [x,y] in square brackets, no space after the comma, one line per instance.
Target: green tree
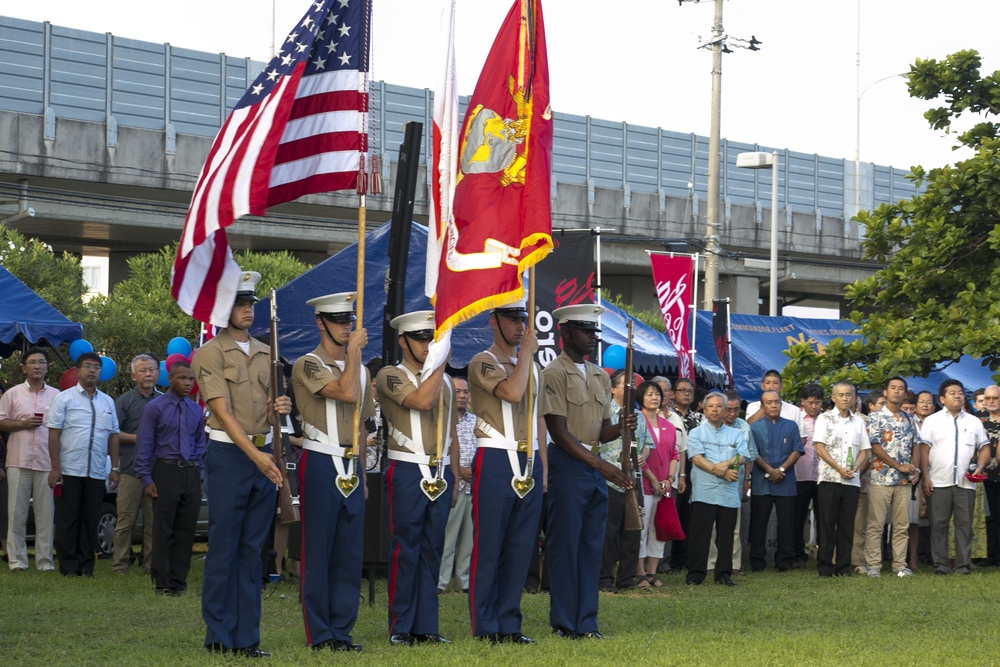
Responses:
[651,317]
[936,298]
[56,278]
[140,315]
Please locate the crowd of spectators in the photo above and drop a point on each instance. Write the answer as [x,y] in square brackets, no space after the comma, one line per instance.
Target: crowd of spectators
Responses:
[847,480]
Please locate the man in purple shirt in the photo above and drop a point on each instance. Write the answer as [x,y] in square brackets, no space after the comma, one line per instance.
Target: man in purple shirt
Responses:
[170,446]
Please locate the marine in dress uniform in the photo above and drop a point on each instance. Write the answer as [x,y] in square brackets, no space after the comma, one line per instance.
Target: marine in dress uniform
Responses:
[233,372]
[577,409]
[416,520]
[328,382]
[504,522]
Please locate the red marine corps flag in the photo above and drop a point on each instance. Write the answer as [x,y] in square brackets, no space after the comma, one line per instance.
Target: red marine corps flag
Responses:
[301,128]
[500,221]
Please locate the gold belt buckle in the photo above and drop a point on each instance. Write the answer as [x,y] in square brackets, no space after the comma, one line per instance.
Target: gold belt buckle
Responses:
[259,440]
[522,446]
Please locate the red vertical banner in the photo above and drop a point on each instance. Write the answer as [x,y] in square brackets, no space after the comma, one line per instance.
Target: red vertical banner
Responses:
[720,333]
[673,276]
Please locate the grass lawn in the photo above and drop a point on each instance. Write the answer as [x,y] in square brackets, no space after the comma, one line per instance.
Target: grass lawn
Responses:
[769,619]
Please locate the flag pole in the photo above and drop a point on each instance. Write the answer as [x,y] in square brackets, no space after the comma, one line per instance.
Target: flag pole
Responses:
[360,305]
[531,375]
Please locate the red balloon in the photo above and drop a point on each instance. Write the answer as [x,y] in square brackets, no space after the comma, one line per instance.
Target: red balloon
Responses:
[194,388]
[637,380]
[68,379]
[176,356]
[607,370]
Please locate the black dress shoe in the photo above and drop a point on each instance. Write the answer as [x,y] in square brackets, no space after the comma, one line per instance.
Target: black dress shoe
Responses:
[217,648]
[344,645]
[252,652]
[591,635]
[725,581]
[401,639]
[824,575]
[564,633]
[430,639]
[492,638]
[516,638]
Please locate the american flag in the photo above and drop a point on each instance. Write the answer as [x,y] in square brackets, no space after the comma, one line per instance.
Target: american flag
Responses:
[301,128]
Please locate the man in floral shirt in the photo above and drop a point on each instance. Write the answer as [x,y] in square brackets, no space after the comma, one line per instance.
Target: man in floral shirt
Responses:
[842,447]
[893,437]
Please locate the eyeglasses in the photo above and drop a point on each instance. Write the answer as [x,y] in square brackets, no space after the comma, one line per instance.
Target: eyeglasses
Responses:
[36,363]
[90,367]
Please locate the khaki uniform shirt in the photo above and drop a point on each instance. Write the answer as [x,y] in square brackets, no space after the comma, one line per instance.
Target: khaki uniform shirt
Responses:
[585,402]
[393,387]
[484,375]
[309,376]
[225,371]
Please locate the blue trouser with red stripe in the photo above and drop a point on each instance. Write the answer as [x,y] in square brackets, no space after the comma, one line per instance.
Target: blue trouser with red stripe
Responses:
[416,526]
[574,537]
[332,538]
[241,504]
[504,529]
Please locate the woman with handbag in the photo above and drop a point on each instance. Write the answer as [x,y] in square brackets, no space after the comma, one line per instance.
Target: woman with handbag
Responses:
[658,473]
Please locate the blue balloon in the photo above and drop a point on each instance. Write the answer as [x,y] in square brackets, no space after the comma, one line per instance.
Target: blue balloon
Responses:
[108,369]
[178,346]
[78,347]
[614,357]
[162,379]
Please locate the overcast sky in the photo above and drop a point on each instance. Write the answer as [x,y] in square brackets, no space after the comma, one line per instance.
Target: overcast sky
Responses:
[638,61]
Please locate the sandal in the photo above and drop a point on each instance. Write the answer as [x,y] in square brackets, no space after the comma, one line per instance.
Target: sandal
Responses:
[654,581]
[643,584]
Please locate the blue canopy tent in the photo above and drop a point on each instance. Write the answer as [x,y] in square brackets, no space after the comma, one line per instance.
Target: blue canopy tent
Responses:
[28,319]
[653,350]
[758,344]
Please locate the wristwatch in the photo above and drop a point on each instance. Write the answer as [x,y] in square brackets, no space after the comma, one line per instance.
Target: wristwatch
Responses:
[782,469]
[116,470]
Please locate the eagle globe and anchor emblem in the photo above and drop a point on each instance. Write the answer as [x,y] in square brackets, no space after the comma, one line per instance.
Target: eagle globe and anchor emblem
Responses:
[493,144]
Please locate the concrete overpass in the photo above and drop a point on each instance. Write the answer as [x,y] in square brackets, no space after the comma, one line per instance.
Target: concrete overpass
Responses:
[91,140]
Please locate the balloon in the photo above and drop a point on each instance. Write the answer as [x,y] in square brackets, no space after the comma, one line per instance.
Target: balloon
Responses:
[161,380]
[108,369]
[614,357]
[194,389]
[179,346]
[78,347]
[637,380]
[607,370]
[69,379]
[176,356]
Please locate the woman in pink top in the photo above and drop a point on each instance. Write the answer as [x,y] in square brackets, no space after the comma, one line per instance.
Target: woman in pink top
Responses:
[658,473]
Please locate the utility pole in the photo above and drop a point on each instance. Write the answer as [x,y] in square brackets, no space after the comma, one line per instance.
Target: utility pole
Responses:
[714,161]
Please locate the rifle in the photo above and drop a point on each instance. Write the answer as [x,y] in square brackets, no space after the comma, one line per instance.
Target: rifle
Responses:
[633,507]
[287,511]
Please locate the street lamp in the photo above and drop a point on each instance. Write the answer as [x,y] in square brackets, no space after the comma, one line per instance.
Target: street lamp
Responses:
[764,161]
[857,137]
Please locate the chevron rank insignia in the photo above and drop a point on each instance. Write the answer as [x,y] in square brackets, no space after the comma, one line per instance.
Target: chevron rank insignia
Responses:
[394,383]
[312,369]
[488,369]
